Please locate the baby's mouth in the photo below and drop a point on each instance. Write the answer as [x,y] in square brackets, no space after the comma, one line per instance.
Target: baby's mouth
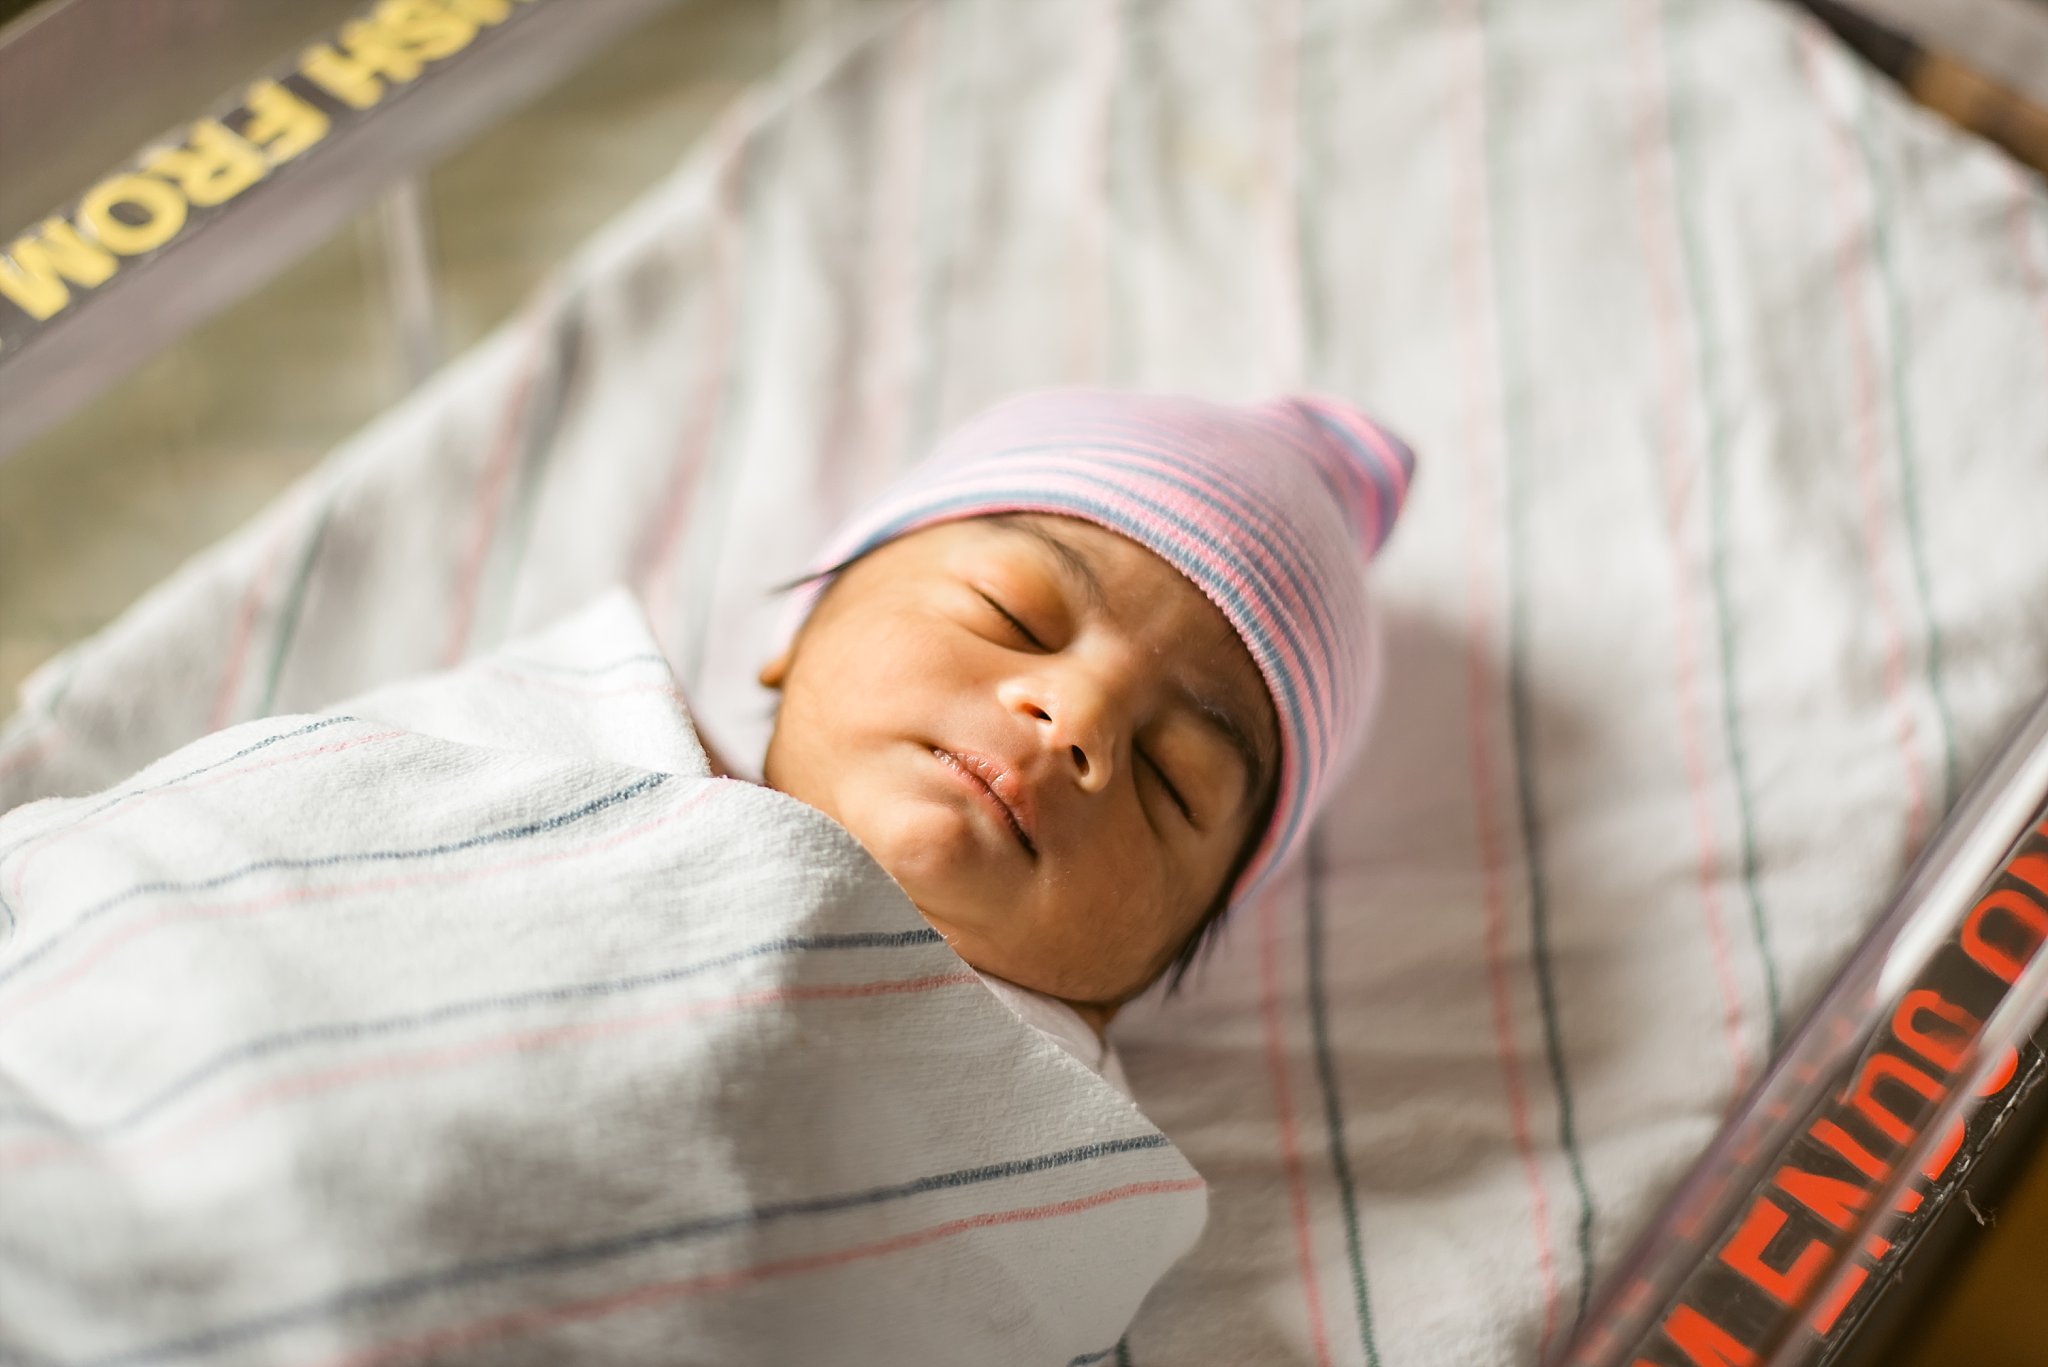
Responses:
[998,786]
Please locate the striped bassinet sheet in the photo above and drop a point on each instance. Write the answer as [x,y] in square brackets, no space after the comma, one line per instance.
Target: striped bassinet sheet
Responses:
[1728,372]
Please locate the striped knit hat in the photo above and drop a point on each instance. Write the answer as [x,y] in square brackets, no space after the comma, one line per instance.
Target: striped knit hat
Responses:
[1272,510]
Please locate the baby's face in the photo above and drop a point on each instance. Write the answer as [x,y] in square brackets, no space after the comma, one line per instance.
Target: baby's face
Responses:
[1046,734]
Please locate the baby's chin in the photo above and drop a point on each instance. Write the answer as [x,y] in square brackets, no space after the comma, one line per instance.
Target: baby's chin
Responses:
[951,880]
[936,860]
[974,898]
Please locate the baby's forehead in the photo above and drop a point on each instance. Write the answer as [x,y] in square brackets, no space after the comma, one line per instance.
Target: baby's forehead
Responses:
[1105,569]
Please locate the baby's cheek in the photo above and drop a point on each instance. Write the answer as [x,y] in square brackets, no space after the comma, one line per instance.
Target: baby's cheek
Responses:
[1133,893]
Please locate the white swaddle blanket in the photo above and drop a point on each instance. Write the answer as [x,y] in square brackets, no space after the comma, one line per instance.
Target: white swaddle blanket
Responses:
[478,1022]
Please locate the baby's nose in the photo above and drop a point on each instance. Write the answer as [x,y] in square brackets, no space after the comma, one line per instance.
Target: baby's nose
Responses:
[1072,720]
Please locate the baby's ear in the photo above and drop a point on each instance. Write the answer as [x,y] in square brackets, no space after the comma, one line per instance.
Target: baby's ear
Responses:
[776,670]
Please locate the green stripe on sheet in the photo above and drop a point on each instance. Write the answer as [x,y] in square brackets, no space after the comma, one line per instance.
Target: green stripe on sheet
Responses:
[1333,1108]
[1515,446]
[1315,104]
[1719,496]
[539,427]
[294,604]
[1903,443]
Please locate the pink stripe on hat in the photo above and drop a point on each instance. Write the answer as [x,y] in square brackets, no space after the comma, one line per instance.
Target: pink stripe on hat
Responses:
[1273,510]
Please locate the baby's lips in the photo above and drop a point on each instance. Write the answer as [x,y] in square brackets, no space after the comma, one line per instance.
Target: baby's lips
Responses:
[1005,779]
[1016,794]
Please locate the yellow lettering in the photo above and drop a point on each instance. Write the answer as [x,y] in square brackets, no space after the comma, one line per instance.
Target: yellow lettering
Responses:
[157,211]
[427,29]
[353,77]
[35,267]
[214,167]
[482,13]
[281,123]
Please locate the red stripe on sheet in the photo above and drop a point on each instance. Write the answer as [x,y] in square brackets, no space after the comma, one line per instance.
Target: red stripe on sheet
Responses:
[1485,580]
[1285,346]
[706,402]
[36,844]
[293,896]
[2023,205]
[831,439]
[1088,328]
[1681,467]
[29,753]
[889,382]
[1851,265]
[1280,184]
[657,1293]
[496,476]
[262,583]
[415,1062]
[1283,1111]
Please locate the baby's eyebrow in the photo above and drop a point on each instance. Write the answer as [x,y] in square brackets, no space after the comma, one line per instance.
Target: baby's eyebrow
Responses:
[1072,563]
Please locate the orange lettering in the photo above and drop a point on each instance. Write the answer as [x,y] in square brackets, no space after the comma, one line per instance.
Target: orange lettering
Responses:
[1745,1253]
[2001,960]
[2001,1073]
[1828,1311]
[1938,1161]
[1943,1044]
[1706,1343]
[1875,1072]
[1830,1198]
[1862,1159]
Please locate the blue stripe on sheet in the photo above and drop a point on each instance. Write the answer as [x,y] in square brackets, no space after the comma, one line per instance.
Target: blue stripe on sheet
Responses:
[7,916]
[498,837]
[350,1031]
[545,1260]
[118,798]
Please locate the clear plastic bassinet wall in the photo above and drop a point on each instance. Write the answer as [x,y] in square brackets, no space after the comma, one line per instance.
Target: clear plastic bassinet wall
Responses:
[184,333]
[172,362]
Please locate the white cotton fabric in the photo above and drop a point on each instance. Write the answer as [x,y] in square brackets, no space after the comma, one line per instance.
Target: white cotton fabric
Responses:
[1729,371]
[478,1022]
[1063,1025]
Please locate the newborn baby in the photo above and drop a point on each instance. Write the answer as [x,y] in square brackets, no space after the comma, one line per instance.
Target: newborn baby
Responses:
[1081,680]
[478,1016]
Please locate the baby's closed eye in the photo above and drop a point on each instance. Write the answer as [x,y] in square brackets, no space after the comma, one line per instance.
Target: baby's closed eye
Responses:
[1013,622]
[1158,771]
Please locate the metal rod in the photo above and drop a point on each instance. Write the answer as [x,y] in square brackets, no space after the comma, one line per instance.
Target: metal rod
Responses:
[406,237]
